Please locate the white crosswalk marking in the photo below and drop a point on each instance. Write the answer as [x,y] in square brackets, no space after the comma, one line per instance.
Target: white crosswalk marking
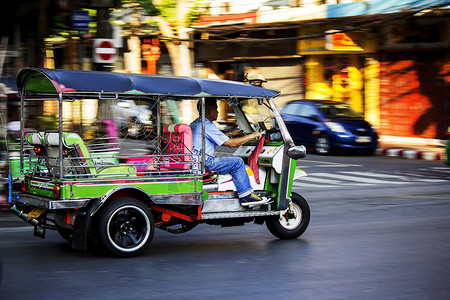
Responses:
[377,175]
[357,178]
[361,178]
[314,179]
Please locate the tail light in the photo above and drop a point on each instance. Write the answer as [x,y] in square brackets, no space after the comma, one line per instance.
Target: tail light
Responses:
[24,186]
[39,150]
[56,191]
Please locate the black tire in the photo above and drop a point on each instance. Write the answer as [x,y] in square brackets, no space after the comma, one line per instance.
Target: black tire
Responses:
[294,226]
[323,145]
[125,227]
[370,151]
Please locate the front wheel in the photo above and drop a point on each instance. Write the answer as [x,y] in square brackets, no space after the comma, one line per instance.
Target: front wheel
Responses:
[125,227]
[292,222]
[323,145]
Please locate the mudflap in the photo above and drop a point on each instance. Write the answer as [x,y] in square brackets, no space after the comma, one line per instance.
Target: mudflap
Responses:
[82,222]
[39,231]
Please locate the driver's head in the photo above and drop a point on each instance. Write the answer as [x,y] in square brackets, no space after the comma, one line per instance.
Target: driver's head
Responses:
[211,111]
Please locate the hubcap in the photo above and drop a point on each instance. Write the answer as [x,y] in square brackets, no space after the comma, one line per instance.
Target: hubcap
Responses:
[291,219]
[128,228]
[322,145]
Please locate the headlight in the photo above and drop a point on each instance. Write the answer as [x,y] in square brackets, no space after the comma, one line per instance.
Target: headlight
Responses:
[336,127]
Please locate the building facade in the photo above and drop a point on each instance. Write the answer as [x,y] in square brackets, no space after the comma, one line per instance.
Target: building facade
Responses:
[388,59]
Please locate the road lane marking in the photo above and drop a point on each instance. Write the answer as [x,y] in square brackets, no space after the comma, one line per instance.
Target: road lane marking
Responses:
[377,175]
[328,164]
[356,178]
[312,179]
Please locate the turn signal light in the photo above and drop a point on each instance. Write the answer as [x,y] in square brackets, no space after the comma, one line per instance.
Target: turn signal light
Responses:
[56,191]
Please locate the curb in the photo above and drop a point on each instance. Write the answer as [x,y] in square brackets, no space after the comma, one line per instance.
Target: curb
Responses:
[411,154]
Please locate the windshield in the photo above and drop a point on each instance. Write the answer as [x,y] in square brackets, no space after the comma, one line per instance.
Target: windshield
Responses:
[258,114]
[337,110]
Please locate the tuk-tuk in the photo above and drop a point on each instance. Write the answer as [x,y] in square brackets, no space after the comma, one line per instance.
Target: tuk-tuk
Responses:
[98,185]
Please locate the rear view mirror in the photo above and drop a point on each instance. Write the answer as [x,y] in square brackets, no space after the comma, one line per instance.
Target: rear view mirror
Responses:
[297,152]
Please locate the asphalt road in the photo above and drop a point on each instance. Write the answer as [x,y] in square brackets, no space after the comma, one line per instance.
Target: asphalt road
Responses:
[379,230]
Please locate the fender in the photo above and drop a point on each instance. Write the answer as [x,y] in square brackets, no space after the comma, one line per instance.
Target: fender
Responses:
[299,173]
[84,218]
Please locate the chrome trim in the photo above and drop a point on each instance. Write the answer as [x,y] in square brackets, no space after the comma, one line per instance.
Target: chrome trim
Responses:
[51,204]
[226,215]
[297,152]
[179,199]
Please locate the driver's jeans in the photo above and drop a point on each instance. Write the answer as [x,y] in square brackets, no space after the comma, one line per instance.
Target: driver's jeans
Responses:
[234,166]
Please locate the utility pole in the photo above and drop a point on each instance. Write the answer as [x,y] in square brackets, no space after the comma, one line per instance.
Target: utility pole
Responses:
[104,28]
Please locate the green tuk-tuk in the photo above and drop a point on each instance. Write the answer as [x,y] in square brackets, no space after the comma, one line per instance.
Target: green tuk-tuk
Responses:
[96,184]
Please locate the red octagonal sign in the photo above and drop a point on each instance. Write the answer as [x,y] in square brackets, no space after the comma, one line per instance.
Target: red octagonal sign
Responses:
[104,51]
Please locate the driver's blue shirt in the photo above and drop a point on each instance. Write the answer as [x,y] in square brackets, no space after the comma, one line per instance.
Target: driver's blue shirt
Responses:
[213,137]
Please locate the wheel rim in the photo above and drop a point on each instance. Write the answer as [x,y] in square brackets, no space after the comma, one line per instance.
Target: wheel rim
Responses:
[322,145]
[128,228]
[291,222]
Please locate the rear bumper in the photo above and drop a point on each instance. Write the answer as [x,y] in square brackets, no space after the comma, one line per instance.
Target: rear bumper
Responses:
[349,143]
[49,204]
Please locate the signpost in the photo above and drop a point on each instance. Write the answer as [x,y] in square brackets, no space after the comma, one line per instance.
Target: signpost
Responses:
[80,20]
[104,51]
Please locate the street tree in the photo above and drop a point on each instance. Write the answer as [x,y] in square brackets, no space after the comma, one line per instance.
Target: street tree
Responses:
[173,18]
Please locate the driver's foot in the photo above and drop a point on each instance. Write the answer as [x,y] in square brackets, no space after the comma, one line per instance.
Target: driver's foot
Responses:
[252,200]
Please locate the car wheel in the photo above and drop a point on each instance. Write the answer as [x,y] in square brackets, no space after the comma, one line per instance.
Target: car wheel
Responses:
[291,223]
[323,145]
[125,227]
[369,151]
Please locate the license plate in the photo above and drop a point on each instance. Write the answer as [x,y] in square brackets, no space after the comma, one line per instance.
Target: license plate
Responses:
[363,139]
[36,212]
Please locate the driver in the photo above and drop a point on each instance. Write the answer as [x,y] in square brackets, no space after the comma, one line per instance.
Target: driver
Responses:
[224,165]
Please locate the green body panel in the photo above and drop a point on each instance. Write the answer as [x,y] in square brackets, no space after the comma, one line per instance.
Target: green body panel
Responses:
[292,169]
[14,166]
[40,188]
[292,164]
[99,188]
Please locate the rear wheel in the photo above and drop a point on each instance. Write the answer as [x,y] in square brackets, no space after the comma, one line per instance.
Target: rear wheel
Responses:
[125,227]
[291,223]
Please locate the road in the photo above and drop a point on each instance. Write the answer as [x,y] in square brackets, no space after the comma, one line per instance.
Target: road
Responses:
[379,230]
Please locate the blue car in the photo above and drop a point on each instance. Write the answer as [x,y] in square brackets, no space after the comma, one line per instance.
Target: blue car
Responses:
[329,126]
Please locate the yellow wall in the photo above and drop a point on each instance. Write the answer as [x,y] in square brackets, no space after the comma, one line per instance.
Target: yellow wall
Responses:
[372,91]
[346,87]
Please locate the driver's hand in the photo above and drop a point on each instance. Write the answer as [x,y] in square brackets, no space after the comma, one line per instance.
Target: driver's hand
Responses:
[256,135]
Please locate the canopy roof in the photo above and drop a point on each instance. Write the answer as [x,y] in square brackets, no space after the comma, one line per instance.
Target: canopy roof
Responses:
[53,81]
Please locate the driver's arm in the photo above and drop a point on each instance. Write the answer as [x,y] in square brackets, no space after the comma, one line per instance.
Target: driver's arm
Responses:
[235,142]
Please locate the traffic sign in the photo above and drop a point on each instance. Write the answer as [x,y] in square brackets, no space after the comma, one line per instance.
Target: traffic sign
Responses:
[104,51]
[80,20]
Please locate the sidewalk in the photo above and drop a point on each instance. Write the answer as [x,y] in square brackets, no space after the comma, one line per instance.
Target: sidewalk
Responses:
[413,148]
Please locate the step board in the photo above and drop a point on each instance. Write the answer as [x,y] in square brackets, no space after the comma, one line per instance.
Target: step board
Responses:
[239,214]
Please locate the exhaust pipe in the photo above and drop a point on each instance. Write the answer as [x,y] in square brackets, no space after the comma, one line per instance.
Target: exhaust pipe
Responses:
[24,216]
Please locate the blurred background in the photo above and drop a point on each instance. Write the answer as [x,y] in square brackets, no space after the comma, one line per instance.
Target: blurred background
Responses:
[387,59]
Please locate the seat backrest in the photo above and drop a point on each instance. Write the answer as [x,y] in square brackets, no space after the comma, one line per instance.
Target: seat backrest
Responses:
[78,154]
[177,139]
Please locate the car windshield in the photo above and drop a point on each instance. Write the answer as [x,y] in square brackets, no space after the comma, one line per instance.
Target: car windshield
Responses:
[337,110]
